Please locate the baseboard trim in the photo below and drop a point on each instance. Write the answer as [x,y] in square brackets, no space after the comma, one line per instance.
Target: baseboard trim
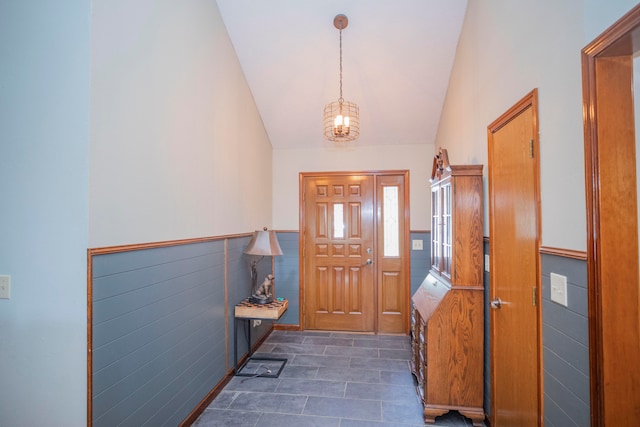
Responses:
[286,327]
[204,403]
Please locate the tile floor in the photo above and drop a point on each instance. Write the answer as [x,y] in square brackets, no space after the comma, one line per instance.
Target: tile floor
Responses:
[330,379]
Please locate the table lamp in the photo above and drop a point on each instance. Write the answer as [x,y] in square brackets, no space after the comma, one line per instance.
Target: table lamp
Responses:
[263,243]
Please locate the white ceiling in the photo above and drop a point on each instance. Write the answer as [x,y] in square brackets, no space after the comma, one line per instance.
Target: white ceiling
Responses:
[397,58]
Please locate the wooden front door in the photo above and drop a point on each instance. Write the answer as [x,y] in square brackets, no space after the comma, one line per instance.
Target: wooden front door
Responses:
[514,289]
[354,237]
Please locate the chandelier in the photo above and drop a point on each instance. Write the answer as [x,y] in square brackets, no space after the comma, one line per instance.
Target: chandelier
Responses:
[341,118]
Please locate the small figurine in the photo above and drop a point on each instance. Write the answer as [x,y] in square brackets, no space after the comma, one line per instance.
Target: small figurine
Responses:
[264,293]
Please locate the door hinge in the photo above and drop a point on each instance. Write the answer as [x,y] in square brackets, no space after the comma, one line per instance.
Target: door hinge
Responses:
[531,148]
[535,296]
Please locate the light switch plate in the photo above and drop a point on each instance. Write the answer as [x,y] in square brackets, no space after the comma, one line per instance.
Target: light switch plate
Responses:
[559,289]
[416,245]
[5,287]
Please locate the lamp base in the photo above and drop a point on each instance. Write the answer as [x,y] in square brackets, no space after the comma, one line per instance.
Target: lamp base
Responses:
[260,300]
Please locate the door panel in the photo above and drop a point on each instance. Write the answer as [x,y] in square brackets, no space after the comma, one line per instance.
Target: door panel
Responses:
[339,293]
[513,195]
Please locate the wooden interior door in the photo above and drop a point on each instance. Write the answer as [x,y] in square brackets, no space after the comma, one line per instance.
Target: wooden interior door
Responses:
[338,253]
[514,245]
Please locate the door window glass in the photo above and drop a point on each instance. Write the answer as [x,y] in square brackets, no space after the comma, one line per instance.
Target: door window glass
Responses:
[390,214]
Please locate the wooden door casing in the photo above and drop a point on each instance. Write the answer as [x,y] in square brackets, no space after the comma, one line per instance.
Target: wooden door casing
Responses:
[515,266]
[612,222]
[366,274]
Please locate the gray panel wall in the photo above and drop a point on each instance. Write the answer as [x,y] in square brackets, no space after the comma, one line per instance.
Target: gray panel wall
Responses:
[420,259]
[566,345]
[287,273]
[159,337]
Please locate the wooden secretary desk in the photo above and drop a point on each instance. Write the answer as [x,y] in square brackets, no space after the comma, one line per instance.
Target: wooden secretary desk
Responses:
[447,314]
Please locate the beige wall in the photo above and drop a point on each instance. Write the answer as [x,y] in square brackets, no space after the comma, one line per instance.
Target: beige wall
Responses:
[506,49]
[177,148]
[504,52]
[287,165]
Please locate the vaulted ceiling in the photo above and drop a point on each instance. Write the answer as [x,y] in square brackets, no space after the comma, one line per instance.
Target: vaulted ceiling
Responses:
[397,59]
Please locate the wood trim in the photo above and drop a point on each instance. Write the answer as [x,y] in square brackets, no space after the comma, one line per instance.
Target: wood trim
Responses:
[162,244]
[606,63]
[204,403]
[529,99]
[301,245]
[301,233]
[407,250]
[89,339]
[226,304]
[354,172]
[286,327]
[565,253]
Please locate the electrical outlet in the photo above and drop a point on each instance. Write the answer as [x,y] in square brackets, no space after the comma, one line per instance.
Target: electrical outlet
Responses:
[486,262]
[5,287]
[559,289]
[416,245]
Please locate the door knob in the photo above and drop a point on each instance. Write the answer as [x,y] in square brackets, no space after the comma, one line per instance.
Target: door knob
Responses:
[368,262]
[496,304]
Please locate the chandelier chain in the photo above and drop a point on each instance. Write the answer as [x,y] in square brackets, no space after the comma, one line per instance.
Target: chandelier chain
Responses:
[341,98]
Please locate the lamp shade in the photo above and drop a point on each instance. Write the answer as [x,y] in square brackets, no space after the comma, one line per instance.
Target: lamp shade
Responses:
[264,243]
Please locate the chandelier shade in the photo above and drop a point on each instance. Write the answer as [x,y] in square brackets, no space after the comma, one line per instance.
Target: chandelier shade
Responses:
[341,118]
[341,121]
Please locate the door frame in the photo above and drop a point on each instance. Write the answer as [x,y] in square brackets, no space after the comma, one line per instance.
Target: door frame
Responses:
[529,100]
[406,235]
[609,144]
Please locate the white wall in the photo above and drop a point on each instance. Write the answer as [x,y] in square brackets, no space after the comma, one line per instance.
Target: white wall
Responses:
[44,118]
[287,165]
[507,49]
[178,149]
[601,14]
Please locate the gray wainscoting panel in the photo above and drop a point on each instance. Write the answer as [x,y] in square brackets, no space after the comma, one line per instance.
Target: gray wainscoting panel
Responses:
[287,272]
[158,332]
[420,259]
[566,345]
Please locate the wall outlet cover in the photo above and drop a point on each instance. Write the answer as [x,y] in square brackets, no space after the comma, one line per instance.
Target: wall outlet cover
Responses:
[559,289]
[5,287]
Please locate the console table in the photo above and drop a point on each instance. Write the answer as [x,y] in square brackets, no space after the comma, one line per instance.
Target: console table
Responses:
[248,311]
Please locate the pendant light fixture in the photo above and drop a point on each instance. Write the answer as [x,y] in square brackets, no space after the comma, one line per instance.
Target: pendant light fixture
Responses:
[341,118]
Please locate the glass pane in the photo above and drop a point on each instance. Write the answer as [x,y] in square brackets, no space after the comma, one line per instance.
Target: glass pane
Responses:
[436,246]
[390,213]
[338,221]
[446,230]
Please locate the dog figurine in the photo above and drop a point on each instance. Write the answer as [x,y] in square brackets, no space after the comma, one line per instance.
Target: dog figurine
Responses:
[264,292]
